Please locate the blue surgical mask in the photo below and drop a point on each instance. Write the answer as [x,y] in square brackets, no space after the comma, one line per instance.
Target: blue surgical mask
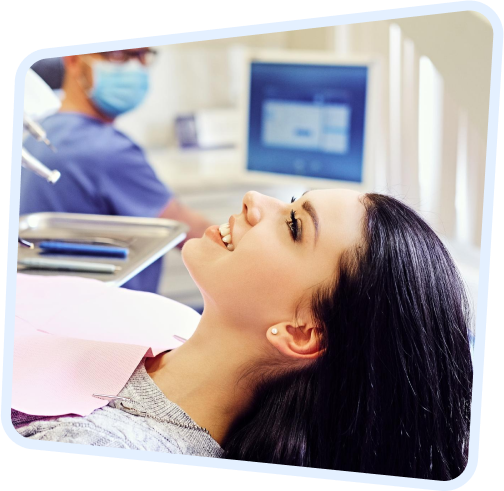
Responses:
[118,88]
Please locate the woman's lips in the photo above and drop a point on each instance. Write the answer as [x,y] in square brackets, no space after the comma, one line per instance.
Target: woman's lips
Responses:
[213,234]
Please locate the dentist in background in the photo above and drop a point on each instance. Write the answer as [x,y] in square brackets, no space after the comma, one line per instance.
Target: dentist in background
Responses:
[102,170]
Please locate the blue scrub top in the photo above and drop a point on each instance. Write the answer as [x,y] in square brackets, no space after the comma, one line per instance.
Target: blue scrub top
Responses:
[102,172]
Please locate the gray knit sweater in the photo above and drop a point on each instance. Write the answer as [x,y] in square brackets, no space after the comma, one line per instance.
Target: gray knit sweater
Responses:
[147,420]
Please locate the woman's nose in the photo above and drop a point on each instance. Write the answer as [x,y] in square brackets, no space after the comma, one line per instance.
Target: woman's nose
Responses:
[256,206]
[251,207]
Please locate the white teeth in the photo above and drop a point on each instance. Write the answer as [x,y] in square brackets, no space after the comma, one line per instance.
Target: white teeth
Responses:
[225,231]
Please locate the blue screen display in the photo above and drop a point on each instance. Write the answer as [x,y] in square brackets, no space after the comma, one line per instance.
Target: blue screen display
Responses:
[307,120]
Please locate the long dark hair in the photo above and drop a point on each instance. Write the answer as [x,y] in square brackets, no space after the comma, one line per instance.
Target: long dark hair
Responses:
[392,392]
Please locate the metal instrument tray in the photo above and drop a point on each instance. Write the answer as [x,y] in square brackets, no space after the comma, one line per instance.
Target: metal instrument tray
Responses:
[146,238]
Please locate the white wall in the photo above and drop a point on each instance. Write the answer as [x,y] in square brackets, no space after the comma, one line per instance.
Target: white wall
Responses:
[188,77]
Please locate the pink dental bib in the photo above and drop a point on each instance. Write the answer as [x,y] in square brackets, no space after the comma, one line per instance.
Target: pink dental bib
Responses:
[76,337]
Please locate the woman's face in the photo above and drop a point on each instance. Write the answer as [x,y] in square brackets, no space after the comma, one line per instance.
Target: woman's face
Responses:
[282,252]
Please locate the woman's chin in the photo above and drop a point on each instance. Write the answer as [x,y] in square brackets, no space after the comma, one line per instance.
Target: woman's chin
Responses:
[195,258]
[187,251]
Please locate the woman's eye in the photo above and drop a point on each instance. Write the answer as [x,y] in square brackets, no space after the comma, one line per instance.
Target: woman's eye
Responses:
[293,199]
[293,225]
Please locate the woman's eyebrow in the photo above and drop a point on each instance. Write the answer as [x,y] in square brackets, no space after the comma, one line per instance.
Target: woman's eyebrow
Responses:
[308,207]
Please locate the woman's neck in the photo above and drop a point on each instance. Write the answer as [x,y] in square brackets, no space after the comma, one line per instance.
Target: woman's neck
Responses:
[207,377]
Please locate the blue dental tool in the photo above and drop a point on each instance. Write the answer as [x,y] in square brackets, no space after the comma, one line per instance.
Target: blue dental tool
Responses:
[83,249]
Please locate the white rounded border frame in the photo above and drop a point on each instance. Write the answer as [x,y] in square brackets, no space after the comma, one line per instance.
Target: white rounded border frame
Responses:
[50,465]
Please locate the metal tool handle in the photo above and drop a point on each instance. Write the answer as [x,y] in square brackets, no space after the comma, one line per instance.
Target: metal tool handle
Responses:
[25,243]
[65,265]
[30,162]
[36,131]
[34,128]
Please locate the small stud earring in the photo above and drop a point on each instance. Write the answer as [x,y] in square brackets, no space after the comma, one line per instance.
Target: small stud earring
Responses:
[274,331]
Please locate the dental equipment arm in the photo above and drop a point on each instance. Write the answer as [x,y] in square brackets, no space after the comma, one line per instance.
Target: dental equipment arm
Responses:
[39,102]
[30,162]
[36,131]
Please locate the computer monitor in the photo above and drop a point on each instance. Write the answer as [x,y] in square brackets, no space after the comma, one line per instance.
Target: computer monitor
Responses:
[308,118]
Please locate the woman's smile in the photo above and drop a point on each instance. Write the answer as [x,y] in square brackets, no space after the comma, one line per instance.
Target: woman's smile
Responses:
[214,234]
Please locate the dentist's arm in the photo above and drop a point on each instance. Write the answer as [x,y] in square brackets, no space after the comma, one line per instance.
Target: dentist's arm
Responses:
[175,210]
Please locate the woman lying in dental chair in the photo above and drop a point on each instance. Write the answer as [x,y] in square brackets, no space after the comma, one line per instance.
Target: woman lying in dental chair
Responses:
[334,335]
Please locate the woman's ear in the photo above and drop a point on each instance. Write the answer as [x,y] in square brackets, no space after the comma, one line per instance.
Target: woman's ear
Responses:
[300,342]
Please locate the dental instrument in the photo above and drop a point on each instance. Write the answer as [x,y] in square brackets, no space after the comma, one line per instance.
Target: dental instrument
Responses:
[62,247]
[25,243]
[37,131]
[64,265]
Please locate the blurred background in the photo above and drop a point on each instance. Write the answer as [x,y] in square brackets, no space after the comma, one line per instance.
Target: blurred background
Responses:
[425,139]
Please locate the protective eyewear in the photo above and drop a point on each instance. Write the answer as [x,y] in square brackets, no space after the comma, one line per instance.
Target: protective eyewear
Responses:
[144,56]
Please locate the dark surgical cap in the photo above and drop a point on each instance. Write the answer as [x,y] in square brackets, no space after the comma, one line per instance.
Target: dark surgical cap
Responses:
[51,71]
